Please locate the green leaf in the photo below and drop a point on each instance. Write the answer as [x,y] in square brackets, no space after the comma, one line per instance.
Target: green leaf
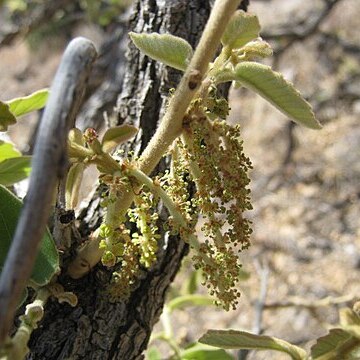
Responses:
[6,117]
[76,136]
[14,170]
[73,182]
[26,104]
[241,29]
[47,261]
[168,49]
[232,339]
[116,136]
[274,88]
[204,352]
[183,301]
[255,49]
[327,347]
[7,151]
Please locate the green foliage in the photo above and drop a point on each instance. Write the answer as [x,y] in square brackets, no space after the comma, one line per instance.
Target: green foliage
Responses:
[116,136]
[340,343]
[241,29]
[47,261]
[73,182]
[168,49]
[14,108]
[7,151]
[14,170]
[23,105]
[203,352]
[232,339]
[7,118]
[13,166]
[274,88]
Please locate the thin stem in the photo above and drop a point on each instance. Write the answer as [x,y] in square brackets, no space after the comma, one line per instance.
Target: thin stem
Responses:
[17,347]
[171,125]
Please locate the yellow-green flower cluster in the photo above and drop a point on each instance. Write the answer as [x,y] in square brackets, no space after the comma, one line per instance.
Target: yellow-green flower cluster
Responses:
[219,167]
[145,218]
[131,253]
[176,183]
[124,279]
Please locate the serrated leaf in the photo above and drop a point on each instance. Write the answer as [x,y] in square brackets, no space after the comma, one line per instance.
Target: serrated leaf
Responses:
[326,347]
[26,104]
[73,182]
[204,352]
[7,118]
[116,136]
[183,301]
[14,170]
[8,151]
[241,29]
[279,92]
[233,339]
[166,48]
[47,260]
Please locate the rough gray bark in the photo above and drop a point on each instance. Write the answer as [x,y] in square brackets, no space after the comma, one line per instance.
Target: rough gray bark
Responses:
[97,328]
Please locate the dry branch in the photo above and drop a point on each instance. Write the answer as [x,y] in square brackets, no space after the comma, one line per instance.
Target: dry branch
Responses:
[48,166]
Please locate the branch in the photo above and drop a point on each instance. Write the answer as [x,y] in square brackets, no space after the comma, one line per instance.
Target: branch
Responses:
[48,166]
[310,304]
[171,124]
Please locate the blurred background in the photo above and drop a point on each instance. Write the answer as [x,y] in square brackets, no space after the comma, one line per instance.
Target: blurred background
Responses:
[304,263]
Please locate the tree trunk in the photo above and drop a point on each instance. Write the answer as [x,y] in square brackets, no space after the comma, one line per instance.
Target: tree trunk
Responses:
[97,328]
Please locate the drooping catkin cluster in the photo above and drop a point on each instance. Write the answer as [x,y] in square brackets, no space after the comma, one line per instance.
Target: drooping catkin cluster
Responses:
[215,157]
[176,184]
[210,153]
[145,217]
[131,252]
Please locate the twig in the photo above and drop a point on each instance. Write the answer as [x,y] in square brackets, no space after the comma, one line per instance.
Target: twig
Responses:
[48,166]
[310,304]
